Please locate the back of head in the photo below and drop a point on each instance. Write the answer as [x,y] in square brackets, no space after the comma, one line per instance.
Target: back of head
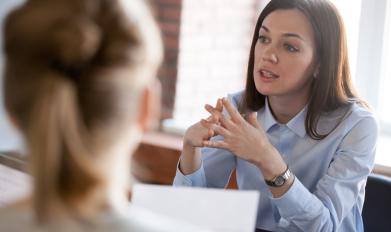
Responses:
[74,73]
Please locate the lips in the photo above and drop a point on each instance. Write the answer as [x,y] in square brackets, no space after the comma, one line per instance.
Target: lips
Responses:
[267,74]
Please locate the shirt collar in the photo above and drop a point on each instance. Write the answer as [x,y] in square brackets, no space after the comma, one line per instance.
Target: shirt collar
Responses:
[268,120]
[296,124]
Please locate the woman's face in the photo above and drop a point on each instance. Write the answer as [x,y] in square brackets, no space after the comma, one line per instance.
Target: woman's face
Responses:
[285,55]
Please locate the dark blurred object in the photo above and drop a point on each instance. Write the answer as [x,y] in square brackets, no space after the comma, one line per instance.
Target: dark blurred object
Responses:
[155,160]
[377,206]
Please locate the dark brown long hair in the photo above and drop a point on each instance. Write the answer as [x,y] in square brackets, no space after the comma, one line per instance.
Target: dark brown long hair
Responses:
[333,86]
[74,74]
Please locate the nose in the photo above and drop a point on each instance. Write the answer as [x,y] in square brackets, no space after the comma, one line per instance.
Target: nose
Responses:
[270,56]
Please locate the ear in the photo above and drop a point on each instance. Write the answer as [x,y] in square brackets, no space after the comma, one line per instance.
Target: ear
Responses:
[316,71]
[149,108]
[13,121]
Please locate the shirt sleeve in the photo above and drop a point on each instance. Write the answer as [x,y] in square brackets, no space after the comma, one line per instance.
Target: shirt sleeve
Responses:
[216,166]
[196,178]
[215,171]
[338,191]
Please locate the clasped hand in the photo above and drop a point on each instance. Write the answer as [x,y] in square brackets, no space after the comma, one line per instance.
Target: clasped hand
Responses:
[245,138]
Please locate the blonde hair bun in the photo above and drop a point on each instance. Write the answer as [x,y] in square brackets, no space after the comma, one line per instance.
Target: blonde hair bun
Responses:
[74,41]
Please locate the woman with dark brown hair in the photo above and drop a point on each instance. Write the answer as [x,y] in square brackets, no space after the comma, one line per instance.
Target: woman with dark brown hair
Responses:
[299,134]
[80,86]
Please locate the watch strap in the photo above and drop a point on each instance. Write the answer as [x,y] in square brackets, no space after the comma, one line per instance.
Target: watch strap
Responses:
[279,180]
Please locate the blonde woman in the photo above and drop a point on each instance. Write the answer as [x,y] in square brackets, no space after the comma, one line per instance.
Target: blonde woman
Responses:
[80,86]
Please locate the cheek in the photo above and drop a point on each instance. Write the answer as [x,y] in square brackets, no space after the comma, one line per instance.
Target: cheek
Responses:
[257,54]
[301,68]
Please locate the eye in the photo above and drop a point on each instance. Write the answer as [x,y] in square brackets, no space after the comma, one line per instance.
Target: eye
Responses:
[290,48]
[263,39]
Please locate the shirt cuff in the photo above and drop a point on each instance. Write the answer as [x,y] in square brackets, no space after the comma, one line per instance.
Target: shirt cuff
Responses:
[196,178]
[296,201]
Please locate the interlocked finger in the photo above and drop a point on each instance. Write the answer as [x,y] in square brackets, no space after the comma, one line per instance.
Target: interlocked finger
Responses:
[216,144]
[208,125]
[233,113]
[220,130]
[218,114]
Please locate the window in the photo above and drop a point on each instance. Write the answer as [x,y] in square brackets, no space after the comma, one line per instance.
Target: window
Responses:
[384,94]
[371,53]
[350,12]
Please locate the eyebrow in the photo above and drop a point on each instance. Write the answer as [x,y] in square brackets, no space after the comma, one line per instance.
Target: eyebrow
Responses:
[285,34]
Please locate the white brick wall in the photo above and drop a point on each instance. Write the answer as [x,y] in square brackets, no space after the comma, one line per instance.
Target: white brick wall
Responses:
[214,44]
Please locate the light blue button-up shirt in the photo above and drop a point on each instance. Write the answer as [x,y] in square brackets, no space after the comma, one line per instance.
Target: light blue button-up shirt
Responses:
[328,191]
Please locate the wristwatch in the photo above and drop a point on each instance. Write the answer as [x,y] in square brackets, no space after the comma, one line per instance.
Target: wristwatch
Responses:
[279,180]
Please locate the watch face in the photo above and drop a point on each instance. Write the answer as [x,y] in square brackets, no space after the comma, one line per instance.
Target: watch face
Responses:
[279,181]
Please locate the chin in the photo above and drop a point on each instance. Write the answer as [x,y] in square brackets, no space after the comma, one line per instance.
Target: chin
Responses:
[264,91]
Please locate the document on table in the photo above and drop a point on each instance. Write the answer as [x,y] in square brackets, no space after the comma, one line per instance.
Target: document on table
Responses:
[14,185]
[215,209]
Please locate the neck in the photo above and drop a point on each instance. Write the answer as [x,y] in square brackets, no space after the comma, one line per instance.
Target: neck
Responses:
[286,108]
[119,179]
[113,194]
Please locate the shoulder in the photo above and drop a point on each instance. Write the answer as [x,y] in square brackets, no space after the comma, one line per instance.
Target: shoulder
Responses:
[16,219]
[361,128]
[348,117]
[361,118]
[355,126]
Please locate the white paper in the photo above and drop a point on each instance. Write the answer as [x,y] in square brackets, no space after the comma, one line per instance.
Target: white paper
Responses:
[14,185]
[215,209]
